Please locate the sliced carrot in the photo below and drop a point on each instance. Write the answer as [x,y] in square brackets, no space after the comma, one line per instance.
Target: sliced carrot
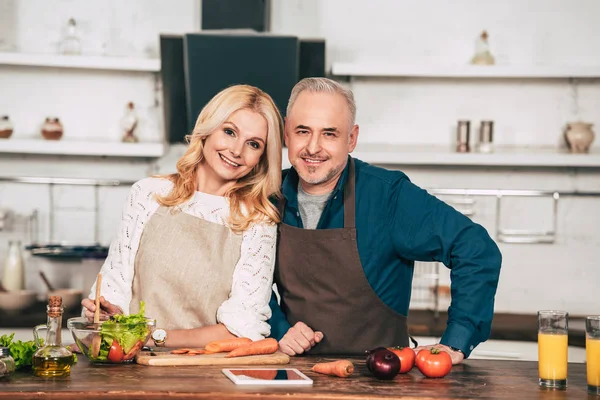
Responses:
[341,368]
[196,352]
[220,346]
[180,351]
[264,346]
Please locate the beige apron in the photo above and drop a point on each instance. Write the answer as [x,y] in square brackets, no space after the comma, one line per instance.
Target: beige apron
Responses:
[183,269]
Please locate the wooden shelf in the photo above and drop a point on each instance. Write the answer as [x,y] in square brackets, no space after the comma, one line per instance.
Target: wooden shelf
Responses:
[391,154]
[464,71]
[81,148]
[80,62]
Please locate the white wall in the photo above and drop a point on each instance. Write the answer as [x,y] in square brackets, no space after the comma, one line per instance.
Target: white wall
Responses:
[526,112]
[438,32]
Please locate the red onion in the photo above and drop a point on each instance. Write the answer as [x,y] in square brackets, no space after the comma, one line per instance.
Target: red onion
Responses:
[383,363]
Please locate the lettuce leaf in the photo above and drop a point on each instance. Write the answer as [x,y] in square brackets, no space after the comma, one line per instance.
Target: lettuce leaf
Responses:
[21,352]
[125,329]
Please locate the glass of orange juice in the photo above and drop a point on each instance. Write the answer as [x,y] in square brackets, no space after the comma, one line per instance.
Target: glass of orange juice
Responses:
[592,353]
[553,348]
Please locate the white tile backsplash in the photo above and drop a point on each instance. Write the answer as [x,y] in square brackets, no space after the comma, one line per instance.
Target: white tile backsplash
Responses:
[390,110]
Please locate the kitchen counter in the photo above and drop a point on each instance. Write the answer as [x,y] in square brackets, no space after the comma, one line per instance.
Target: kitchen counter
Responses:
[482,379]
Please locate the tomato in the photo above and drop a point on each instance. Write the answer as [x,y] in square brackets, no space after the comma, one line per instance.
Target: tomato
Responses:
[434,363]
[133,351]
[115,354]
[406,356]
[419,359]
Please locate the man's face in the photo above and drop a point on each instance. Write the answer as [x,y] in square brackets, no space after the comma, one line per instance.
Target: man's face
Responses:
[319,137]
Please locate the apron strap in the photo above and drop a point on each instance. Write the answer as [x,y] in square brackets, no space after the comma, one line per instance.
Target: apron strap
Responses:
[350,198]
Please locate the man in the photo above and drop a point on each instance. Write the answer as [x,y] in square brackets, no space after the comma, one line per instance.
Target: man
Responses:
[349,237]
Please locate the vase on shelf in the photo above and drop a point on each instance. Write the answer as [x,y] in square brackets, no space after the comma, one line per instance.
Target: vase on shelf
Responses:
[129,123]
[71,43]
[52,129]
[6,127]
[579,136]
[13,275]
[483,56]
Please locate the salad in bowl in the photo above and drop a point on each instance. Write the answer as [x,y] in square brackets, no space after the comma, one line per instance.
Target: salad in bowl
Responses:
[117,340]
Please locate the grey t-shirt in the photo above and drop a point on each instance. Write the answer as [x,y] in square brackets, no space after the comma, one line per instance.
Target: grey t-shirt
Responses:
[311,207]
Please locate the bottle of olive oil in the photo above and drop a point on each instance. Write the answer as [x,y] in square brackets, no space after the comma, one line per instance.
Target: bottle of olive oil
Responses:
[52,359]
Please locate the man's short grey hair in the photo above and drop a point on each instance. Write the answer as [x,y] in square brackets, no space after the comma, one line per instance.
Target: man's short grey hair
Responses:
[323,85]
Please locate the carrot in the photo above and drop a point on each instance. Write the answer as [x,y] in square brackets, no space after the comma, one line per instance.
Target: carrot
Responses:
[341,368]
[180,351]
[188,352]
[220,346]
[264,346]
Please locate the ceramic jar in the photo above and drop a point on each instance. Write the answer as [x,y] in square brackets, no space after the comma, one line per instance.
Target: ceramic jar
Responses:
[6,127]
[129,123]
[579,136]
[52,129]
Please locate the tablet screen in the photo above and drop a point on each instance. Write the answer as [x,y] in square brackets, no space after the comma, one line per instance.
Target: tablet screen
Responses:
[266,376]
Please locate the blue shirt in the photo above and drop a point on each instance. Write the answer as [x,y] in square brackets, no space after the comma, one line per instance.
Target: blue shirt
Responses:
[398,223]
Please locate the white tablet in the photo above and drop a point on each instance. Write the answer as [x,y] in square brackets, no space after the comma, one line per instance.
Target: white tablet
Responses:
[267,376]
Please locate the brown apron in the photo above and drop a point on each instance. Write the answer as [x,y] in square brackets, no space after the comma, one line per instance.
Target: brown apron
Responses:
[322,283]
[183,269]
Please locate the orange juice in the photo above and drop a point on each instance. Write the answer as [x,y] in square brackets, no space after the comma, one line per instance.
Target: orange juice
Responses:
[592,357]
[553,351]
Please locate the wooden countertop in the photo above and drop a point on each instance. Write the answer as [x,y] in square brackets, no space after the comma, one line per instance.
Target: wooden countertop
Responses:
[481,379]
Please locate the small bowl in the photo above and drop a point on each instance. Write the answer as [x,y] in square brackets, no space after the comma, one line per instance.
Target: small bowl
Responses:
[84,333]
[17,300]
[71,298]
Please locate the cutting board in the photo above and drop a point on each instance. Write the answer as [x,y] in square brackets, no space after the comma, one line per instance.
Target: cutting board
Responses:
[154,358]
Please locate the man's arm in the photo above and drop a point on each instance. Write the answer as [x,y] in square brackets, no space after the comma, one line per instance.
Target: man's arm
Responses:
[427,229]
[278,321]
[292,340]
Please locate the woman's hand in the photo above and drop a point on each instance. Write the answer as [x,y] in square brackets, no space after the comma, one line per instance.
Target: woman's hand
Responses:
[107,309]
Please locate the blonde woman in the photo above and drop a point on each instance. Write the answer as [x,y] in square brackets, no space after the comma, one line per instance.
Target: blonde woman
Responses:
[198,246]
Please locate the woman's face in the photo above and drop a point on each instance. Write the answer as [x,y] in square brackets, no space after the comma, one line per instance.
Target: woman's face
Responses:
[233,149]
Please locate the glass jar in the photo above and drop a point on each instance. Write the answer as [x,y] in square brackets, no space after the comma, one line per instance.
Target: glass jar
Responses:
[6,127]
[7,363]
[71,43]
[13,276]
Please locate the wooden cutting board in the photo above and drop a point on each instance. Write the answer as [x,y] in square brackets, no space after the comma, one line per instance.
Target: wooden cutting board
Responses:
[154,358]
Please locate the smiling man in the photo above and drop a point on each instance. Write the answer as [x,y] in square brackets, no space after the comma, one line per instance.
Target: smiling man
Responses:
[349,238]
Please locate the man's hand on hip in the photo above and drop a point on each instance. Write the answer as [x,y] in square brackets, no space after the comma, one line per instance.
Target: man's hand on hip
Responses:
[299,339]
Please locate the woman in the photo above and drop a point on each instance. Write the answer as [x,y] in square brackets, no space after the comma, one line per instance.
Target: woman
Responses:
[198,246]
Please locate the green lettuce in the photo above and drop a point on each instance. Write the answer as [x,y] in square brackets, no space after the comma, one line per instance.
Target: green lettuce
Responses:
[21,352]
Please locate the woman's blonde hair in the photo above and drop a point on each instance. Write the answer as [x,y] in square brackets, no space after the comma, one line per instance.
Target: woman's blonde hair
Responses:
[249,197]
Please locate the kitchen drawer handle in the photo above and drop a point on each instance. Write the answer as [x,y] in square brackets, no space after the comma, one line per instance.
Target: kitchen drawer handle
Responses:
[465,201]
[526,237]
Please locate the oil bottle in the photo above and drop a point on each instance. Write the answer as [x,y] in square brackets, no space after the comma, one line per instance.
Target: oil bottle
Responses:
[52,359]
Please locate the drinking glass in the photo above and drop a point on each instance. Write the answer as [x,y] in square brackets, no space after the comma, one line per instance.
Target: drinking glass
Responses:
[553,348]
[592,353]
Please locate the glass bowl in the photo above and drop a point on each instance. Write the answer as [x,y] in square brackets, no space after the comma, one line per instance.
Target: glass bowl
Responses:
[114,343]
